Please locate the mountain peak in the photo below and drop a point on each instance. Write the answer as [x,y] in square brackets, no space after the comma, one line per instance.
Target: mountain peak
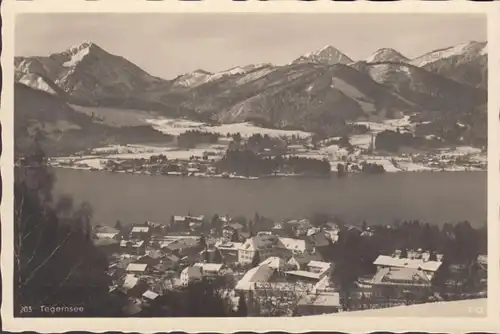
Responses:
[467,49]
[85,45]
[73,55]
[326,55]
[386,55]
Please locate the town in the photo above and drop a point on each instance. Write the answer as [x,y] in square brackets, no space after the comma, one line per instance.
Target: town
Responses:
[292,268]
[231,155]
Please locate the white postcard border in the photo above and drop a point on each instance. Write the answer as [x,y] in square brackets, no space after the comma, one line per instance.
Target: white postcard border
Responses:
[301,324]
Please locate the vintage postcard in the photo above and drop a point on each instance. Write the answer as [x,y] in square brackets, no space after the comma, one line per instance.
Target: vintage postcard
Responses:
[225,161]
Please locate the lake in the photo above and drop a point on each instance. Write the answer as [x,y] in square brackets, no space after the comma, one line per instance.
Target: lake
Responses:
[435,197]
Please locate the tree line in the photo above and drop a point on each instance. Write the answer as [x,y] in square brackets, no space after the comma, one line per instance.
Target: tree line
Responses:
[248,163]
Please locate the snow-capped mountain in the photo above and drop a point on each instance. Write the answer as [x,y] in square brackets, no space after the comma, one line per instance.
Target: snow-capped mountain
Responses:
[327,55]
[466,63]
[386,55]
[88,72]
[466,50]
[199,77]
[320,91]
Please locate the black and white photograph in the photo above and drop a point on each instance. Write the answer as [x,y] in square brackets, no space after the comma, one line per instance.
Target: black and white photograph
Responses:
[250,165]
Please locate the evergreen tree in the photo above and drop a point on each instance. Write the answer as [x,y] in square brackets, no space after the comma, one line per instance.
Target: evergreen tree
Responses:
[55,260]
[235,237]
[202,242]
[256,259]
[404,253]
[118,225]
[242,310]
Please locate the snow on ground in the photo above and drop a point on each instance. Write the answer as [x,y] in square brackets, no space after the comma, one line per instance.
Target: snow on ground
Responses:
[389,124]
[362,141]
[92,163]
[467,150]
[170,154]
[178,126]
[460,308]
[413,167]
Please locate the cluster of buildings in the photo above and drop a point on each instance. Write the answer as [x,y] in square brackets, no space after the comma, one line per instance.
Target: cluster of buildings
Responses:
[280,271]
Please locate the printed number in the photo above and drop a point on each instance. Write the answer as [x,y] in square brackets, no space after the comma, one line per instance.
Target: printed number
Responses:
[26,309]
[476,310]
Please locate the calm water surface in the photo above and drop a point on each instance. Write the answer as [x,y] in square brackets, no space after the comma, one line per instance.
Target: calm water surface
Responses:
[433,197]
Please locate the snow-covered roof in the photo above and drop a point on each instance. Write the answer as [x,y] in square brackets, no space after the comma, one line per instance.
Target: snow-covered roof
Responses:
[106,235]
[398,275]
[303,273]
[137,267]
[140,229]
[130,281]
[294,244]
[228,245]
[150,295]
[261,273]
[209,266]
[274,262]
[319,264]
[135,244]
[384,260]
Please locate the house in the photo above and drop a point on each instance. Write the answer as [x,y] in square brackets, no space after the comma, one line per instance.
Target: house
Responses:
[393,284]
[137,268]
[321,303]
[211,255]
[210,270]
[228,251]
[180,244]
[266,245]
[261,273]
[105,232]
[275,262]
[149,295]
[190,275]
[318,267]
[300,261]
[261,245]
[140,233]
[314,272]
[428,267]
[318,239]
[149,260]
[133,247]
[300,227]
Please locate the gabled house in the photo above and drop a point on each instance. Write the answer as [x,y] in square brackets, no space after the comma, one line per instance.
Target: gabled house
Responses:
[140,233]
[190,275]
[137,268]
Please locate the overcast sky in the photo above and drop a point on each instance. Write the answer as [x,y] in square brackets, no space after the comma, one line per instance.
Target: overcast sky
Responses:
[167,45]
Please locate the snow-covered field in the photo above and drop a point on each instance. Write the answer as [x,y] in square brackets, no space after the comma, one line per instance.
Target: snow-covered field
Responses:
[461,308]
[178,126]
[391,124]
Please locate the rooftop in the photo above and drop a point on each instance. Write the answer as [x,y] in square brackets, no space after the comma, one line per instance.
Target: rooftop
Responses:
[384,260]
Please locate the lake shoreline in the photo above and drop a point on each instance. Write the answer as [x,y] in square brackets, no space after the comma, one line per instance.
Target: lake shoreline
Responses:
[333,174]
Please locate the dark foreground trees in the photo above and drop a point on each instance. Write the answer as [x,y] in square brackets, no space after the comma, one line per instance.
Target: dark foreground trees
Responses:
[55,260]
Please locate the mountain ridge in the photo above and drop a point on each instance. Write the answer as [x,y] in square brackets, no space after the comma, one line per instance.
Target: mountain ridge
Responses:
[319,92]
